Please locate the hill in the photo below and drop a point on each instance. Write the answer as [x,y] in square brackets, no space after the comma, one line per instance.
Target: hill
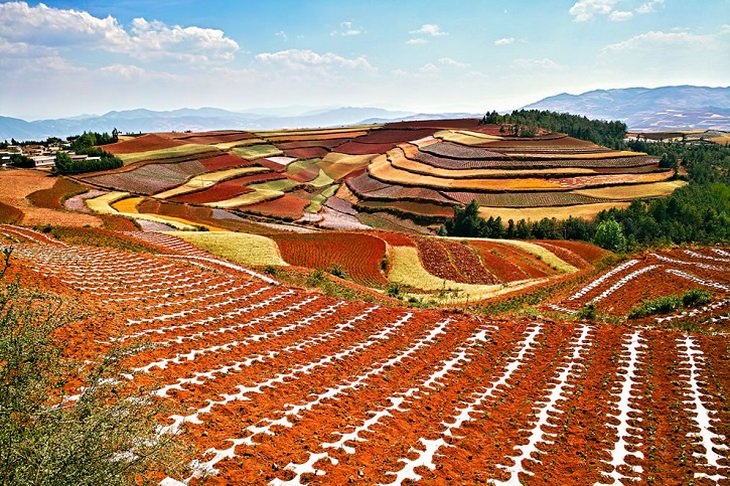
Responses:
[651,109]
[200,119]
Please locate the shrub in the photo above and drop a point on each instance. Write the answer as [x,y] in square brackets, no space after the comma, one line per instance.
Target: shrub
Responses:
[587,312]
[106,436]
[338,271]
[316,277]
[271,270]
[696,297]
[394,289]
[610,235]
[660,305]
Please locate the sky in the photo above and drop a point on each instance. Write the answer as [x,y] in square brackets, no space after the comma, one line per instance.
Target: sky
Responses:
[65,58]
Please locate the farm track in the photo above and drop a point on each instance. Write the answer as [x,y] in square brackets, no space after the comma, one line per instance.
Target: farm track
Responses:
[284,386]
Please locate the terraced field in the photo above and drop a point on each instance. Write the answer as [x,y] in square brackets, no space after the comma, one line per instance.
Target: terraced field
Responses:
[279,385]
[406,170]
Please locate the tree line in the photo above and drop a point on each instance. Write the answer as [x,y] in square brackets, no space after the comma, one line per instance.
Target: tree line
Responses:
[526,123]
[87,144]
[698,212]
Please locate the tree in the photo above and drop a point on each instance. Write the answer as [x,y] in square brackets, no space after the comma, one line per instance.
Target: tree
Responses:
[466,221]
[610,235]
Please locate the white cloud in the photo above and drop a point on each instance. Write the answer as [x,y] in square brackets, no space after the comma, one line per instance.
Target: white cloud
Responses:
[429,29]
[347,29]
[429,68]
[654,40]
[648,7]
[504,41]
[447,61]
[302,59]
[584,10]
[124,70]
[533,64]
[620,16]
[417,41]
[43,26]
[281,34]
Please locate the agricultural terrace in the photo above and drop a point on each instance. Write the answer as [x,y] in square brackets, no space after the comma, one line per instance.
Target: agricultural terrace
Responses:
[399,174]
[278,385]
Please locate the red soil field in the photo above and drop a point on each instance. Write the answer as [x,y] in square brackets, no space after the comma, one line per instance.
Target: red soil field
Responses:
[409,208]
[394,136]
[354,147]
[287,207]
[502,268]
[565,254]
[587,251]
[278,383]
[527,263]
[226,189]
[393,238]
[10,214]
[149,178]
[453,124]
[453,261]
[54,197]
[358,254]
[214,137]
[306,152]
[324,143]
[225,161]
[145,143]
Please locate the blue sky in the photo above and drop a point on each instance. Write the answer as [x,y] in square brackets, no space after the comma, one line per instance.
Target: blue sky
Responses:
[63,58]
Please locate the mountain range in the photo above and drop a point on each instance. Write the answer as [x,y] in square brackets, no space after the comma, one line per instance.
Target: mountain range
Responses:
[202,119]
[649,109]
[642,109]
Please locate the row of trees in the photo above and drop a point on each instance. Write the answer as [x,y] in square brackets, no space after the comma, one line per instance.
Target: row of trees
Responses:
[87,144]
[526,123]
[698,212]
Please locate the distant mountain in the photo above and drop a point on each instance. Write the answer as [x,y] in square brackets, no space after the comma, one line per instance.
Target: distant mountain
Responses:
[647,109]
[201,119]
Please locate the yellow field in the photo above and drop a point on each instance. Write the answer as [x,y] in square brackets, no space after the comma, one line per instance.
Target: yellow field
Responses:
[207,180]
[257,151]
[258,196]
[188,149]
[381,169]
[406,268]
[239,143]
[321,180]
[587,211]
[102,204]
[721,140]
[241,248]
[128,204]
[637,191]
[465,137]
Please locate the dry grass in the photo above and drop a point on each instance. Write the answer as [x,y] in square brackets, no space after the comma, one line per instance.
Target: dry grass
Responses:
[209,179]
[635,191]
[241,248]
[258,196]
[541,253]
[103,204]
[587,211]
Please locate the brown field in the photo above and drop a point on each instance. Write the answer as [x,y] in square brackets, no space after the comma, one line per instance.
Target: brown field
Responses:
[145,143]
[17,184]
[637,191]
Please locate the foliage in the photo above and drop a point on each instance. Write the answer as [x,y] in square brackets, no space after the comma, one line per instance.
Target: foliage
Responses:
[696,297]
[394,289]
[66,165]
[660,305]
[610,235]
[21,161]
[525,123]
[338,271]
[87,140]
[587,312]
[101,437]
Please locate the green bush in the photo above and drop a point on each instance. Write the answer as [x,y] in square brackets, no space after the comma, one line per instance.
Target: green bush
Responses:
[106,435]
[660,305]
[696,297]
[338,271]
[394,290]
[587,312]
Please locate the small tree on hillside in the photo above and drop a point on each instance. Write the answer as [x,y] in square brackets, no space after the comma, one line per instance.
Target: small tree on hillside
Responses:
[610,235]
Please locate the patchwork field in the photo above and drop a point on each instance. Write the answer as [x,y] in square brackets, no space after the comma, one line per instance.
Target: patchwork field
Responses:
[279,385]
[405,170]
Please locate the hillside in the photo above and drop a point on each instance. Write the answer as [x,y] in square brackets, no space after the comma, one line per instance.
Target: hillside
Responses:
[649,109]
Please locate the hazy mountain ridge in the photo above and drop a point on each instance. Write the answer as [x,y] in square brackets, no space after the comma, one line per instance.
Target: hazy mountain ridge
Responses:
[200,119]
[665,108]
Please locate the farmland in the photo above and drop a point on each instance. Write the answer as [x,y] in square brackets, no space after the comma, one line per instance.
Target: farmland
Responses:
[277,384]
[414,170]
